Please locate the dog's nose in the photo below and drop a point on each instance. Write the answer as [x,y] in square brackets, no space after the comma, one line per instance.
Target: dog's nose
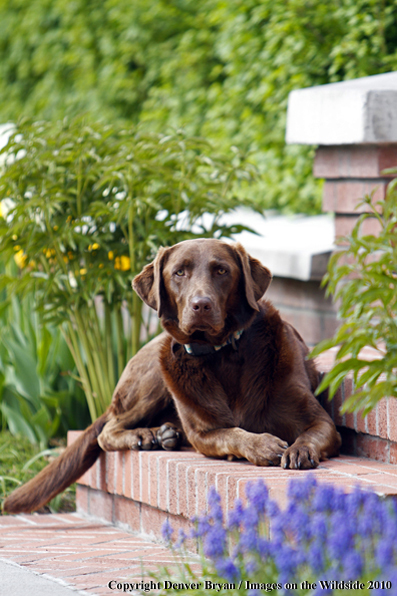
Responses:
[201,305]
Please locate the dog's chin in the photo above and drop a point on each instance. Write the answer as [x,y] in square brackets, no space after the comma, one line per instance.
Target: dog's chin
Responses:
[200,332]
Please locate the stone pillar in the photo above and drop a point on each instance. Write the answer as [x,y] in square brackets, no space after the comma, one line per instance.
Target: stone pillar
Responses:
[354,124]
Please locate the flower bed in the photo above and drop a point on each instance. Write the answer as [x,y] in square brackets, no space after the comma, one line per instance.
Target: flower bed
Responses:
[325,541]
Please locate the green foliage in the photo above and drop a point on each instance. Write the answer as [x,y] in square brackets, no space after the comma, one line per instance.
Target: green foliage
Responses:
[85,207]
[39,397]
[363,278]
[20,461]
[222,70]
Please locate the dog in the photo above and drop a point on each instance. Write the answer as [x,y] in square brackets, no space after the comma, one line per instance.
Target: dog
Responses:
[227,376]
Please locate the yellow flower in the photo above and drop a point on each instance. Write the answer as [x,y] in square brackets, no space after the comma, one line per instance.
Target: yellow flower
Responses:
[123,263]
[110,255]
[49,252]
[83,271]
[55,228]
[17,248]
[20,259]
[70,255]
[100,265]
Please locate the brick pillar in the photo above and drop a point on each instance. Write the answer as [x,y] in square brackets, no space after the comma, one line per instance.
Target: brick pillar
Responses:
[351,172]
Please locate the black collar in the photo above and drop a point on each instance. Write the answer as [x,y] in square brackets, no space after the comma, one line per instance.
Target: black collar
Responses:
[196,349]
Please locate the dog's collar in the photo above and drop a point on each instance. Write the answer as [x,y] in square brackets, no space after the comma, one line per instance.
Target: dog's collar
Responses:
[196,349]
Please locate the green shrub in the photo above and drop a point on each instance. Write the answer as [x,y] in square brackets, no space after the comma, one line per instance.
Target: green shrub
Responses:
[40,396]
[362,276]
[219,69]
[85,207]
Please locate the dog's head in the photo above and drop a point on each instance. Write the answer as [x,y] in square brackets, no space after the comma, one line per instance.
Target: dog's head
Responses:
[203,290]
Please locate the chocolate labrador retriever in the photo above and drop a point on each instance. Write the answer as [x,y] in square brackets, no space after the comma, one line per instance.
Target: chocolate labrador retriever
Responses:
[227,376]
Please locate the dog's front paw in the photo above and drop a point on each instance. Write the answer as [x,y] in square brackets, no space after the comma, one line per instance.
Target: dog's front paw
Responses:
[300,457]
[265,450]
[142,439]
[169,437]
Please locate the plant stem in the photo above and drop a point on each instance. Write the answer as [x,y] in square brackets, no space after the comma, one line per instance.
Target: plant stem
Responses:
[108,343]
[73,345]
[121,359]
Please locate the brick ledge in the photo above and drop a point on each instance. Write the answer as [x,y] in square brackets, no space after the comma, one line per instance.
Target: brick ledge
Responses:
[140,490]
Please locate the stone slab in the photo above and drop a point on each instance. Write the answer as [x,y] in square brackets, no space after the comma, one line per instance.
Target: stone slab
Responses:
[347,113]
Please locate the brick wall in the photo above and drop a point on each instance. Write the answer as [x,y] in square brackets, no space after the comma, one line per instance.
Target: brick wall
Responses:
[304,305]
[351,172]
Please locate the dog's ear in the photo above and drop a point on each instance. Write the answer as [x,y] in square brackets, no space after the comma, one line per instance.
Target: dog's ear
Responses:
[257,278]
[148,283]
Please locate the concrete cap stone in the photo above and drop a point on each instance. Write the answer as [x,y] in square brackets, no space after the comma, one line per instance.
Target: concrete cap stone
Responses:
[351,112]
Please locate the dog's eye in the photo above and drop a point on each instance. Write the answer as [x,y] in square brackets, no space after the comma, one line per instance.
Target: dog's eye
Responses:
[180,273]
[222,271]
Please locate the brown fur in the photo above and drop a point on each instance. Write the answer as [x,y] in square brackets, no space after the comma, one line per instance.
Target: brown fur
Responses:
[251,400]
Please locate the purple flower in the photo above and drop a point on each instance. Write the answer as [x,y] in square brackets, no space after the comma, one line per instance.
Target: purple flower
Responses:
[353,565]
[215,542]
[227,569]
[318,527]
[167,531]
[214,505]
[181,538]
[340,540]
[301,490]
[315,557]
[251,567]
[272,509]
[384,553]
[250,518]
[257,495]
[236,515]
[248,541]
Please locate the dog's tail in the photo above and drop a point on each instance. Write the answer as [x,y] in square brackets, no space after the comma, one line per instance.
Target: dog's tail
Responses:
[59,474]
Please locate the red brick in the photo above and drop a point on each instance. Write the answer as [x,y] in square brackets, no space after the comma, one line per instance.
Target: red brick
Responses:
[82,498]
[337,402]
[101,505]
[144,476]
[312,325]
[382,408]
[344,225]
[127,511]
[120,472]
[393,453]
[172,502]
[294,293]
[127,474]
[360,422]
[201,489]
[354,161]
[72,436]
[136,476]
[372,422]
[152,520]
[392,419]
[111,465]
[343,196]
[372,447]
[179,522]
[181,475]
[153,480]
[101,482]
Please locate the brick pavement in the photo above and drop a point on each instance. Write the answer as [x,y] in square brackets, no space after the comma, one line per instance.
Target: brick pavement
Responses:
[85,555]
